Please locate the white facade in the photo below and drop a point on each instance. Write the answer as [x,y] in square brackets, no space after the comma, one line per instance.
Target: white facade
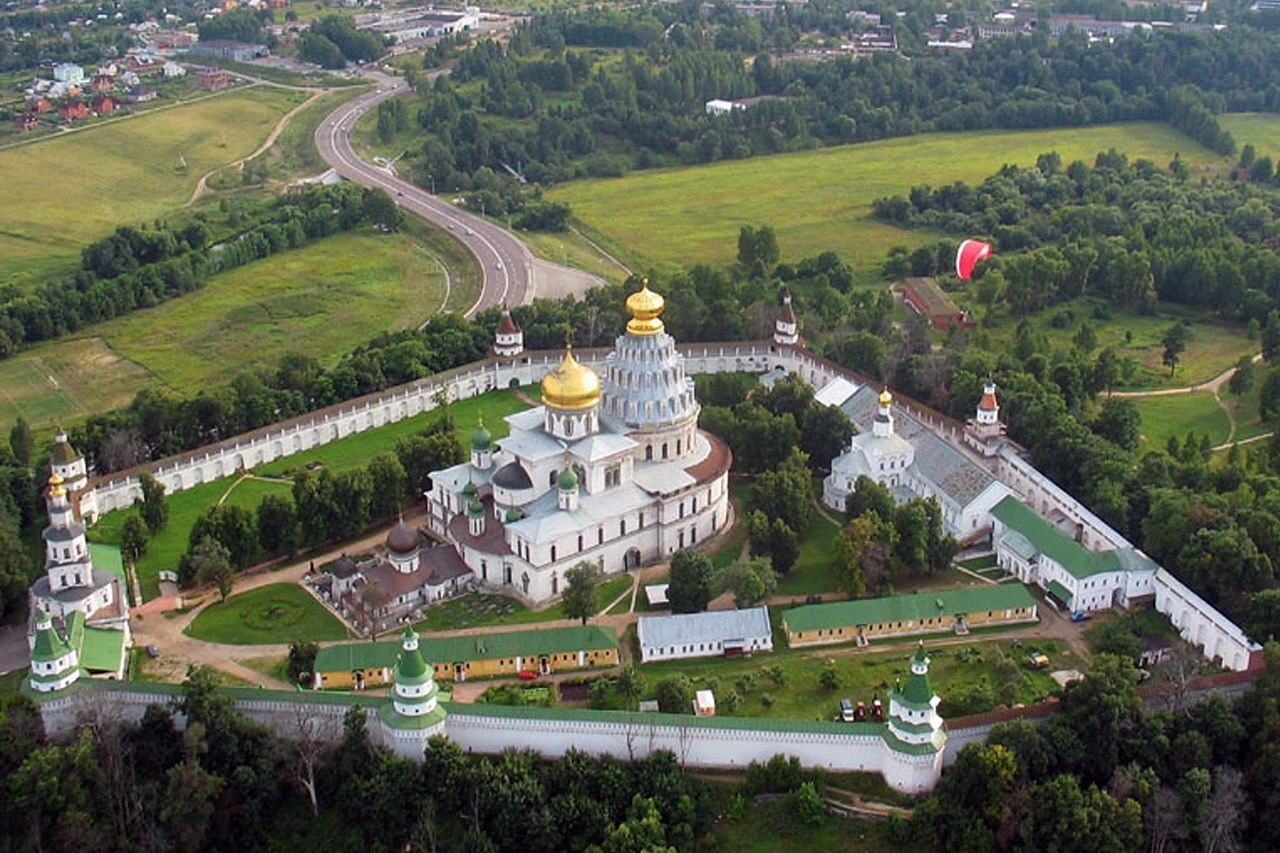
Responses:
[711,634]
[611,470]
[69,73]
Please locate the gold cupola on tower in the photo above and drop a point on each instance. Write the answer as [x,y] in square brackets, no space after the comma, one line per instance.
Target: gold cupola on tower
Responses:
[644,306]
[572,385]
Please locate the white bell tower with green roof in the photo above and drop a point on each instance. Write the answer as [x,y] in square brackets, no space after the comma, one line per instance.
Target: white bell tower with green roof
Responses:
[913,710]
[54,662]
[414,715]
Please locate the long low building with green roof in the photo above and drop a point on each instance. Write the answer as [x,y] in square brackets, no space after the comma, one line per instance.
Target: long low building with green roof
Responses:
[909,615]
[1037,552]
[542,651]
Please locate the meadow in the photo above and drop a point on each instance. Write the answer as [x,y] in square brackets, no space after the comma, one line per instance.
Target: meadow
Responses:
[320,301]
[1261,130]
[1171,415]
[66,191]
[821,200]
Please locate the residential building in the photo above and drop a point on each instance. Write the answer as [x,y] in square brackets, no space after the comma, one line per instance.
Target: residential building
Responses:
[68,73]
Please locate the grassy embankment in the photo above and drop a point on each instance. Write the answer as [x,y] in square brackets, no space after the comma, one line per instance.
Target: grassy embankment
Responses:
[821,200]
[168,546]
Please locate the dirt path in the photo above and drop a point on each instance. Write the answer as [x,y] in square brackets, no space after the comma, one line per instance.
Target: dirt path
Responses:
[202,188]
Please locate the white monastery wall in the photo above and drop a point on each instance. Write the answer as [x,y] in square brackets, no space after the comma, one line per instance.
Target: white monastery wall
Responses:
[697,746]
[1201,625]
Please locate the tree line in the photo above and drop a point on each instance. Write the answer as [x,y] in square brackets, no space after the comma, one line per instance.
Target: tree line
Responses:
[228,783]
[547,106]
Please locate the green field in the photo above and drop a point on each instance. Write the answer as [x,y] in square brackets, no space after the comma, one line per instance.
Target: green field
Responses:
[1178,414]
[294,153]
[67,191]
[1261,130]
[821,200]
[320,300]
[276,613]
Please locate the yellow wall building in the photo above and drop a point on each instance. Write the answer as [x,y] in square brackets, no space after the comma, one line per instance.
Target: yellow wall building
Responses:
[544,651]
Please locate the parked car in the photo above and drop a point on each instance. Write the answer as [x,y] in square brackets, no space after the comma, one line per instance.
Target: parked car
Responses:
[846,710]
[1081,616]
[1037,660]
[528,675]
[152,650]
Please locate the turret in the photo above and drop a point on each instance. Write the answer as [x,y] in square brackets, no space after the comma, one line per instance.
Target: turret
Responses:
[481,448]
[786,331]
[984,428]
[913,709]
[402,548]
[508,339]
[571,396]
[475,517]
[415,688]
[882,427]
[67,561]
[54,662]
[568,489]
[988,407]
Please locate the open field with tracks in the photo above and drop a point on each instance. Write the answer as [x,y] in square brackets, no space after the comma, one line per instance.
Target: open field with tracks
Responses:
[67,191]
[320,301]
[821,200]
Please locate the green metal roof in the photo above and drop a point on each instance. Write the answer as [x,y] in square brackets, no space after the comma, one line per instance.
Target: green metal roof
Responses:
[1052,542]
[102,650]
[107,558]
[481,439]
[544,641]
[904,608]
[49,645]
[411,668]
[400,721]
[1060,592]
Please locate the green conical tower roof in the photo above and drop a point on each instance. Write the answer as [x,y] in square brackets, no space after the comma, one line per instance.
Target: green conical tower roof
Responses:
[49,645]
[568,479]
[481,439]
[411,668]
[918,693]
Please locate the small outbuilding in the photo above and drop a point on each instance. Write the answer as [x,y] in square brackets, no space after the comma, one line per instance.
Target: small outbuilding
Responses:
[699,635]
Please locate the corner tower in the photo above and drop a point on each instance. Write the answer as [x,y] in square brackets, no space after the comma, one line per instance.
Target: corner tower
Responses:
[646,390]
[414,715]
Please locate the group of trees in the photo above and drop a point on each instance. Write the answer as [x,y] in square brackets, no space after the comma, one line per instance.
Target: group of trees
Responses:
[883,538]
[226,783]
[1104,774]
[695,580]
[1132,233]
[333,40]
[134,268]
[324,506]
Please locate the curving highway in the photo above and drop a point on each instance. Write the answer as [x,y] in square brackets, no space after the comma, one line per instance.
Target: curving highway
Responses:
[505,262]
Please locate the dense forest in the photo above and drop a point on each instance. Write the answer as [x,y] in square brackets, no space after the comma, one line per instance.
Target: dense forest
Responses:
[556,104]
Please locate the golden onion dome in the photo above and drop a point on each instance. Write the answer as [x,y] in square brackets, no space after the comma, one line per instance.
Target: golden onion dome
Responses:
[644,306]
[572,385]
[56,489]
[886,399]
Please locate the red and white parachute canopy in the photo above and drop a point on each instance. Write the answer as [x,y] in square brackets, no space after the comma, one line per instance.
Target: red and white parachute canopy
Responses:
[968,255]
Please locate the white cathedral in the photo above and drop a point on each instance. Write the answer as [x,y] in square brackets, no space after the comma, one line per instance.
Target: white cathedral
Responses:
[610,470]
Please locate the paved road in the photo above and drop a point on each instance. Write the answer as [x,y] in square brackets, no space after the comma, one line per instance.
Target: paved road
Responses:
[14,653]
[505,262]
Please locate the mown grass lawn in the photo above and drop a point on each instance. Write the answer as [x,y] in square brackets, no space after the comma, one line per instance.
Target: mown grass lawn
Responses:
[276,613]
[66,191]
[772,827]
[821,200]
[862,674]
[1171,415]
[1261,130]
